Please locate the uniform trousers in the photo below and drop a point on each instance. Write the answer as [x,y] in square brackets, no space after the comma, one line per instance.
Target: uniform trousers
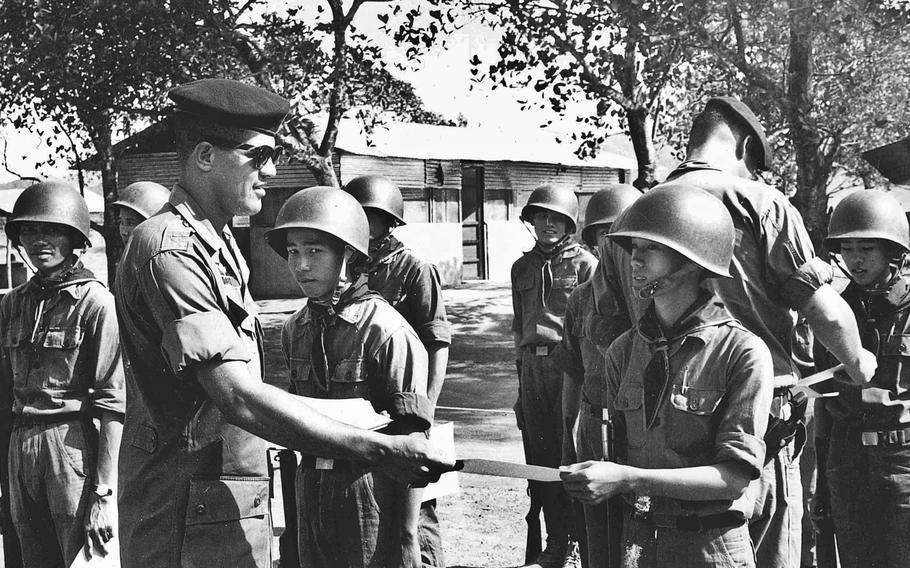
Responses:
[540,384]
[590,447]
[776,524]
[645,546]
[870,501]
[351,520]
[50,468]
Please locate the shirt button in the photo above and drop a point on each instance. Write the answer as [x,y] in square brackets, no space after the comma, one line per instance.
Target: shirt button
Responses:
[200,509]
[257,501]
[903,348]
[294,374]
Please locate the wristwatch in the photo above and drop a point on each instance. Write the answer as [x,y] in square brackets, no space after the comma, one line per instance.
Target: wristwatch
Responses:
[101,491]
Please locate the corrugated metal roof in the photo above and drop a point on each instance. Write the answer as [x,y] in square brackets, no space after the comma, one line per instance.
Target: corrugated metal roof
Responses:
[426,141]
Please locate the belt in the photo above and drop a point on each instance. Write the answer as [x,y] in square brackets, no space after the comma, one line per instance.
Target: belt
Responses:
[692,523]
[328,464]
[21,421]
[541,349]
[884,437]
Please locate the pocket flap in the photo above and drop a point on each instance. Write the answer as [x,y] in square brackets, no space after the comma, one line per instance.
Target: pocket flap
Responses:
[695,401]
[221,499]
[62,338]
[144,437]
[525,282]
[629,397]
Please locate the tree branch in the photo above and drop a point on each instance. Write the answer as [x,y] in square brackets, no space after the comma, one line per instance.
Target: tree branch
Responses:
[10,171]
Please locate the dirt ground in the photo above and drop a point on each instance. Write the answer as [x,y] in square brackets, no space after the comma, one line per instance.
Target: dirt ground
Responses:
[483,524]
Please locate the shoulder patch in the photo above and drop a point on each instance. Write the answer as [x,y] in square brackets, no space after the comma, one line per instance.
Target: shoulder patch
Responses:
[176,239]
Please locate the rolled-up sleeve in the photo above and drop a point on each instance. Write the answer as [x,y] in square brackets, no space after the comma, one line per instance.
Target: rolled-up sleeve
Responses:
[741,429]
[195,328]
[402,361]
[108,389]
[794,269]
[567,354]
[426,307]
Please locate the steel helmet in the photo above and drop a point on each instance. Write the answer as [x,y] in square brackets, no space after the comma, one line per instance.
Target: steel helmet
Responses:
[144,197]
[50,202]
[868,215]
[686,219]
[325,209]
[605,206]
[378,192]
[554,198]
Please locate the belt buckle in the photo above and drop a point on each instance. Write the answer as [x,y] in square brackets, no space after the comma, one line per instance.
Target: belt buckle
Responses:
[541,350]
[663,520]
[870,438]
[325,463]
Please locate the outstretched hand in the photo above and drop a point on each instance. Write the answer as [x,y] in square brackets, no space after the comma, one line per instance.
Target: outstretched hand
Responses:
[593,482]
[414,460]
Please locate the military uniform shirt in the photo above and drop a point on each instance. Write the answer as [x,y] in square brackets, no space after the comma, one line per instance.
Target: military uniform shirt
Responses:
[371,353]
[67,361]
[539,310]
[413,287]
[193,488]
[715,406]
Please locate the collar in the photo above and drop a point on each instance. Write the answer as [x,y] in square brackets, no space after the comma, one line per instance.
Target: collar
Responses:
[566,249]
[691,166]
[194,216]
[70,282]
[706,312]
[881,302]
[348,307]
[387,248]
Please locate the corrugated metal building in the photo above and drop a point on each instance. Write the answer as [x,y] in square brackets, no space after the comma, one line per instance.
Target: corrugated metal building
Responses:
[463,189]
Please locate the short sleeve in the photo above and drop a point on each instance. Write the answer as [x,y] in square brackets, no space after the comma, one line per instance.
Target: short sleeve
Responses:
[182,297]
[400,363]
[427,310]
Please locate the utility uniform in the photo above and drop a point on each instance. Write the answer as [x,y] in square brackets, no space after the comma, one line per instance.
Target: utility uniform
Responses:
[194,489]
[61,365]
[413,287]
[868,466]
[358,348]
[593,321]
[541,284]
[713,409]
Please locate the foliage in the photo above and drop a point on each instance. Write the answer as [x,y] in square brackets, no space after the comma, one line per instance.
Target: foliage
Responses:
[617,56]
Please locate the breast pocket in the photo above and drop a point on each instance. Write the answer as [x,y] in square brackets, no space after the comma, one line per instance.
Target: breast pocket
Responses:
[59,348]
[350,379]
[630,401]
[692,428]
[301,382]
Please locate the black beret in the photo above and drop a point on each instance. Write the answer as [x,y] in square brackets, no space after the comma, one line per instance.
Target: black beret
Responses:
[749,119]
[232,103]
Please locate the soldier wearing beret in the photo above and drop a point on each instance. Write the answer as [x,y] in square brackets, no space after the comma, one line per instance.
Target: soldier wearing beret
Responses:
[775,274]
[194,488]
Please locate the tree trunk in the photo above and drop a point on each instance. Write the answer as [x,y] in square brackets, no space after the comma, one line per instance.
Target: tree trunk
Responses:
[639,123]
[322,169]
[113,244]
[813,164]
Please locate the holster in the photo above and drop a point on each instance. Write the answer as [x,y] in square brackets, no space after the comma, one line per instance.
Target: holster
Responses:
[780,432]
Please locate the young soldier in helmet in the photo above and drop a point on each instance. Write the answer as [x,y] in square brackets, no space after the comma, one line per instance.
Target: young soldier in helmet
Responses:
[137,202]
[347,342]
[868,465]
[412,286]
[542,280]
[591,324]
[689,387]
[60,369]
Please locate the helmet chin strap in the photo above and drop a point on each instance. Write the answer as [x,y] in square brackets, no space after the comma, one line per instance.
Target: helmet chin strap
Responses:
[652,287]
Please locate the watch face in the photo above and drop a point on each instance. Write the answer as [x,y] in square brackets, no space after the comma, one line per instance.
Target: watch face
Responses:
[103,490]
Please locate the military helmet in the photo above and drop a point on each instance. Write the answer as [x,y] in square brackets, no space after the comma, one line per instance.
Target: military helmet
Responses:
[605,206]
[50,202]
[326,209]
[144,197]
[868,215]
[378,192]
[686,219]
[554,198]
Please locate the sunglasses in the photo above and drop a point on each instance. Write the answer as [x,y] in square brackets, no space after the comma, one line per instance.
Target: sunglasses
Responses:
[260,155]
